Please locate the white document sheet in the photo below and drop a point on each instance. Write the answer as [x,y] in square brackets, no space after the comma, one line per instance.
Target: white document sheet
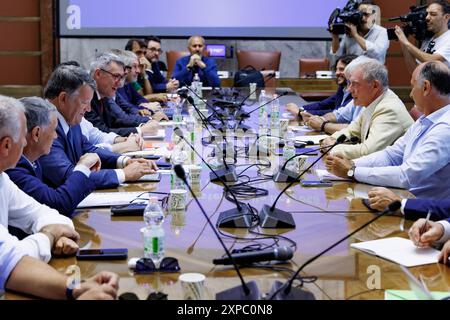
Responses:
[107,199]
[399,250]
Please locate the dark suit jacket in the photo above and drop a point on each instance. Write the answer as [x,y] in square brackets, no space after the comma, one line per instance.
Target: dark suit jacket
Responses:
[107,116]
[64,155]
[65,198]
[208,75]
[129,93]
[157,80]
[329,104]
[418,208]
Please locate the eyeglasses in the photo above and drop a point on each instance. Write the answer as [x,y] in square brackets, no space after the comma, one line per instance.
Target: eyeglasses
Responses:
[116,76]
[430,47]
[146,265]
[155,50]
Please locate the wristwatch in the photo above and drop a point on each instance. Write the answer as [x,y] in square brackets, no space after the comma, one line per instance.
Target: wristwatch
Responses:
[351,172]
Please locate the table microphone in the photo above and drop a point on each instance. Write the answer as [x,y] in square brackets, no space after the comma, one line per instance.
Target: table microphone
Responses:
[243,115]
[271,217]
[245,258]
[239,217]
[285,291]
[246,291]
[286,175]
[203,119]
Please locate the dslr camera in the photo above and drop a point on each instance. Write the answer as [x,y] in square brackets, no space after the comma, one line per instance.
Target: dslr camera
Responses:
[339,17]
[414,24]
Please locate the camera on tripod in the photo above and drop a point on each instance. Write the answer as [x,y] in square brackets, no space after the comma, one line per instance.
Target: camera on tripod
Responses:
[339,17]
[414,24]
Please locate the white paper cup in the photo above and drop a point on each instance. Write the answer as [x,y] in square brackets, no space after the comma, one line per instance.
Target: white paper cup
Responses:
[194,174]
[192,285]
[177,199]
[284,124]
[301,163]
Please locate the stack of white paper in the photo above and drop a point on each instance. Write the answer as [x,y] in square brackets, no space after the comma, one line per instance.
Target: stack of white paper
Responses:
[326,175]
[399,250]
[160,135]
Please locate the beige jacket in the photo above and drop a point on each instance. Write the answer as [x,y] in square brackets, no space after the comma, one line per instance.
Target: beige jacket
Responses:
[378,126]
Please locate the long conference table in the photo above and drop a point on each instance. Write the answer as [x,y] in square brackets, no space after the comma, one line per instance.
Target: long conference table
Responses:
[322,216]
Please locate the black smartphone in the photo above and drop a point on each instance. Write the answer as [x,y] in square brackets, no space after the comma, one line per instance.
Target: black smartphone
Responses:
[316,184]
[149,157]
[163,165]
[103,254]
[126,210]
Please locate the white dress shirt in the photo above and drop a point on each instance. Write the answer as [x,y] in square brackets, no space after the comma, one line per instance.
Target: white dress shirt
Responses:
[441,46]
[97,137]
[22,211]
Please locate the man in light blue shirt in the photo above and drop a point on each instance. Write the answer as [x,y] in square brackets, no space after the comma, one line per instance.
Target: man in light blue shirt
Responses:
[420,160]
[347,113]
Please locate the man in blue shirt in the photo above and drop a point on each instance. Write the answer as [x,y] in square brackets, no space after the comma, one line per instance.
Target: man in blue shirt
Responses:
[420,160]
[157,80]
[186,67]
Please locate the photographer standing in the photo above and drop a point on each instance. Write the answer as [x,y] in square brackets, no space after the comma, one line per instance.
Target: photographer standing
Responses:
[435,48]
[366,38]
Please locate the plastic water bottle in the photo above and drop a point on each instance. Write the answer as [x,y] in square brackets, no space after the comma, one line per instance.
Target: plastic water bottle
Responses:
[197,88]
[178,157]
[190,128]
[262,110]
[289,148]
[177,116]
[154,233]
[275,113]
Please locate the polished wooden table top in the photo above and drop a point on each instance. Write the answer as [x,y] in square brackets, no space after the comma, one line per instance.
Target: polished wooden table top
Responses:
[322,216]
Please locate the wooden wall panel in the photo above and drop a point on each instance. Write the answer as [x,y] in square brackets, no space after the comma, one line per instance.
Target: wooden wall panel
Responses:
[19,36]
[20,70]
[19,8]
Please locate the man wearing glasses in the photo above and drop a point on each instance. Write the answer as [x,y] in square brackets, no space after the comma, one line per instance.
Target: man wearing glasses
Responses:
[436,48]
[157,80]
[367,38]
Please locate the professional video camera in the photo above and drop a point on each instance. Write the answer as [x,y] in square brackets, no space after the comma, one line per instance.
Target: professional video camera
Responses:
[349,14]
[415,24]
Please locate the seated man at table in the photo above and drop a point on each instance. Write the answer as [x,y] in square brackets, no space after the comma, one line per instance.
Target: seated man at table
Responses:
[186,67]
[70,90]
[426,234]
[49,231]
[105,114]
[385,117]
[27,175]
[420,160]
[328,105]
[157,80]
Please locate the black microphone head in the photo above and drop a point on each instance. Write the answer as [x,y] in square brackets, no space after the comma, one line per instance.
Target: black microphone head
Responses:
[184,95]
[354,139]
[394,206]
[341,139]
[178,132]
[284,253]
[190,100]
[128,296]
[179,171]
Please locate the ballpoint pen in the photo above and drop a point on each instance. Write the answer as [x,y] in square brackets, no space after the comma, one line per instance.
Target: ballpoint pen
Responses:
[423,229]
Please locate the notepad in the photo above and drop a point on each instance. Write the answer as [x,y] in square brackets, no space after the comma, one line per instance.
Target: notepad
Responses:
[140,153]
[399,250]
[107,199]
[326,175]
[315,139]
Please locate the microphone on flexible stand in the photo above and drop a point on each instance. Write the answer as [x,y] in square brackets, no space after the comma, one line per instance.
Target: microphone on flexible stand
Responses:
[246,258]
[246,291]
[286,175]
[271,217]
[221,128]
[285,291]
[239,217]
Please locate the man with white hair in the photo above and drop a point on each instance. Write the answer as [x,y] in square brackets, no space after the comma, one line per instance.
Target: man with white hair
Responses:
[50,231]
[384,118]
[420,160]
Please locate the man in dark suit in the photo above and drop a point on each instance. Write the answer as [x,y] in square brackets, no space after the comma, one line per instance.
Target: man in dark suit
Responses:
[108,73]
[157,80]
[27,175]
[186,67]
[71,89]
